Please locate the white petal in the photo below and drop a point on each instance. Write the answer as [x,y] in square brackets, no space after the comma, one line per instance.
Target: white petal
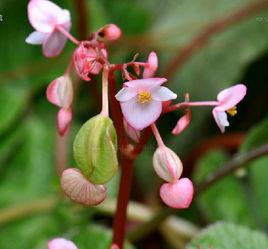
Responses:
[54,44]
[126,93]
[140,115]
[221,119]
[36,38]
[163,94]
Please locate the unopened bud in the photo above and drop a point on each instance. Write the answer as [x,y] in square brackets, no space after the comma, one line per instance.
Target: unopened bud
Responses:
[95,149]
[152,65]
[110,32]
[132,132]
[167,164]
[182,123]
[80,190]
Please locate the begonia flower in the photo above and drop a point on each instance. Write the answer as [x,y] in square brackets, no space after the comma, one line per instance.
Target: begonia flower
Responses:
[177,194]
[141,101]
[60,93]
[61,243]
[48,18]
[227,101]
[151,66]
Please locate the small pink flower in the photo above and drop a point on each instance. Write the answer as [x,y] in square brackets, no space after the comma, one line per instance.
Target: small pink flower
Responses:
[141,101]
[178,194]
[110,32]
[46,17]
[86,60]
[61,243]
[227,101]
[60,93]
[182,123]
[151,66]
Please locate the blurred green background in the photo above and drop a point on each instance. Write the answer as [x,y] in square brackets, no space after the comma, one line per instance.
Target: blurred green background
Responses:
[32,209]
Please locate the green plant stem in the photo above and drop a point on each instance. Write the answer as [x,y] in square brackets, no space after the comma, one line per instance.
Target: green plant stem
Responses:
[237,162]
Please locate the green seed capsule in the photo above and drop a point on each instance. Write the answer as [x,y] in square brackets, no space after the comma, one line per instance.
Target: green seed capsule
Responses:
[95,149]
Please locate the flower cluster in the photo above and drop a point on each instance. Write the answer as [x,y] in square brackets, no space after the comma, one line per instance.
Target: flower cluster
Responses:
[142,98]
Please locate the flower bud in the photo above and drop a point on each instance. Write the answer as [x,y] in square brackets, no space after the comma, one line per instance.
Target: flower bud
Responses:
[152,65]
[167,164]
[64,120]
[110,32]
[80,190]
[178,194]
[86,60]
[131,132]
[61,243]
[182,123]
[95,149]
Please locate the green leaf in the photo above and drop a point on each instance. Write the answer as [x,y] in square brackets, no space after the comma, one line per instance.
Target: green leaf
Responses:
[226,199]
[229,236]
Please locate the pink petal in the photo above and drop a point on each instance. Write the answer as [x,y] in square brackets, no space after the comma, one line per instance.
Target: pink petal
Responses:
[178,194]
[220,118]
[36,38]
[64,120]
[45,15]
[61,243]
[150,70]
[54,44]
[60,92]
[126,93]
[145,84]
[231,96]
[140,115]
[182,123]
[162,93]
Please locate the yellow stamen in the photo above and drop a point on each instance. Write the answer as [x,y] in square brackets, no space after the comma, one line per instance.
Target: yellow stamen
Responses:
[144,97]
[232,111]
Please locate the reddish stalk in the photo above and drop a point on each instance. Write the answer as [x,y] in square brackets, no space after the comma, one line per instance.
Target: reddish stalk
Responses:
[82,16]
[215,27]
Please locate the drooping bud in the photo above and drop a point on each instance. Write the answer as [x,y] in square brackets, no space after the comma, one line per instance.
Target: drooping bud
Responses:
[131,132]
[182,123]
[95,149]
[152,65]
[167,164]
[80,190]
[110,32]
[178,194]
[64,120]
[61,243]
[86,60]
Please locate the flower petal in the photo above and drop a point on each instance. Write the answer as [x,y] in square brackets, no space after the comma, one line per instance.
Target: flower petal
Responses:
[54,44]
[152,62]
[36,38]
[140,115]
[178,194]
[220,118]
[60,92]
[45,15]
[126,93]
[231,96]
[61,243]
[145,84]
[64,120]
[162,93]
[182,123]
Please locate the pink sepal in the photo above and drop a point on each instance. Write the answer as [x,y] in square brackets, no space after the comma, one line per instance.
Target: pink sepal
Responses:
[64,120]
[178,194]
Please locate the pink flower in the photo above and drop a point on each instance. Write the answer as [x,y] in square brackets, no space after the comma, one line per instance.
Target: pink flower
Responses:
[182,123]
[178,194]
[61,243]
[60,93]
[86,60]
[47,18]
[141,101]
[227,101]
[151,66]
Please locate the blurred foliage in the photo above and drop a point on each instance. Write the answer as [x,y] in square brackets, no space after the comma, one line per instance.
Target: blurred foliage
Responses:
[27,125]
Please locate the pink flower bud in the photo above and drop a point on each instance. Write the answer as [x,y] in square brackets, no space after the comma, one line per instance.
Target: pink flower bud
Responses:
[182,123]
[167,164]
[64,120]
[131,132]
[110,32]
[61,243]
[114,246]
[152,65]
[178,194]
[80,190]
[86,60]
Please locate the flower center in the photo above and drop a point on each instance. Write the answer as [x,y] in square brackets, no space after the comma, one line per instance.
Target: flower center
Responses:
[144,97]
[232,111]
